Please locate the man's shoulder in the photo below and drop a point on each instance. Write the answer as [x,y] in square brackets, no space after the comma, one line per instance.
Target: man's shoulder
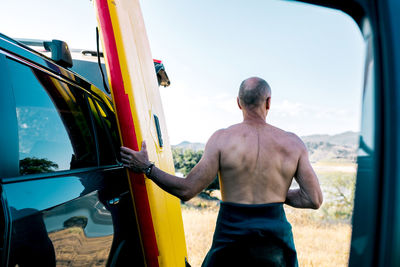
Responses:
[296,140]
[223,134]
[293,136]
[282,132]
[289,138]
[216,135]
[233,127]
[228,130]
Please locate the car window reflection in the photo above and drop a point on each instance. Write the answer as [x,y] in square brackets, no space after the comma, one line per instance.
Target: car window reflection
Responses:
[53,123]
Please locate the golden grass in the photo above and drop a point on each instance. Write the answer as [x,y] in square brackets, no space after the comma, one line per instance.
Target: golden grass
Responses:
[317,244]
[199,225]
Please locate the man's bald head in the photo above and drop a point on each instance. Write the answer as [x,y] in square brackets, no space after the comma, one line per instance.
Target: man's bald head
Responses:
[253,91]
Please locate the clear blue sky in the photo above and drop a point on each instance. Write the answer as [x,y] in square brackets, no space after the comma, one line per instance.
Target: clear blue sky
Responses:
[312,57]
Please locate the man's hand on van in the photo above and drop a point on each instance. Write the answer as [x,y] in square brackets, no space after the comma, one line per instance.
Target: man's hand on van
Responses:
[137,161]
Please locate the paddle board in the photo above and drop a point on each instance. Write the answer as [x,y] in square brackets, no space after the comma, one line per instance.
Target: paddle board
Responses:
[140,117]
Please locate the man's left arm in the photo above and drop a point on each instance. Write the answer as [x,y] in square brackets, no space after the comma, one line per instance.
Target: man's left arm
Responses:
[184,188]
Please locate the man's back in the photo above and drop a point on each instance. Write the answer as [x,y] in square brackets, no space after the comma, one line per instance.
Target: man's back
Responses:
[257,163]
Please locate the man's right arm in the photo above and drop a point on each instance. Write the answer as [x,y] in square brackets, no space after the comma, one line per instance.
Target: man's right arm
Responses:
[198,178]
[309,194]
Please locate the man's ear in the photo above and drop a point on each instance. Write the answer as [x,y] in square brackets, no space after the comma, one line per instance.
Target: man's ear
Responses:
[238,102]
[268,103]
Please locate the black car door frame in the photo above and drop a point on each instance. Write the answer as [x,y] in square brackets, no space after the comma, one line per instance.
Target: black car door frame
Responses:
[10,178]
[376,217]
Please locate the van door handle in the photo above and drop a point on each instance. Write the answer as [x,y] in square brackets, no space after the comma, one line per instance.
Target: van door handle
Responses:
[158,128]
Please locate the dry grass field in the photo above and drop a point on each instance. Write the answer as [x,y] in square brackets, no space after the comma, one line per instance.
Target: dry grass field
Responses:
[317,243]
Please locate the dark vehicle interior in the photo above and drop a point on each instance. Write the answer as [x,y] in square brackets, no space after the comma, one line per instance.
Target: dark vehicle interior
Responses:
[375,238]
[61,181]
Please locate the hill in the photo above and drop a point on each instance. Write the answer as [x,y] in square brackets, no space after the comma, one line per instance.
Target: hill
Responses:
[340,147]
[188,145]
[345,139]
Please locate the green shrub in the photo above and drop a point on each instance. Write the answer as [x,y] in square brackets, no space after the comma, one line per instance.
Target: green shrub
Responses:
[185,160]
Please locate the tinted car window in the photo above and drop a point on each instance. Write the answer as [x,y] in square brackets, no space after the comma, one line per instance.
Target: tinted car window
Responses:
[107,152]
[53,122]
[110,121]
[90,70]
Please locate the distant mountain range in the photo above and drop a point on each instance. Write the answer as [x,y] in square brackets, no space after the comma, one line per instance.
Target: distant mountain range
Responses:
[188,145]
[345,139]
[339,147]
[322,147]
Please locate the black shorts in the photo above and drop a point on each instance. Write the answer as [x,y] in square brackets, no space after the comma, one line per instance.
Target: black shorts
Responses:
[252,235]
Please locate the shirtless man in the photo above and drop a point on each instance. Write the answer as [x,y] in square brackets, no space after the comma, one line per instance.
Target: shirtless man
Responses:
[256,163]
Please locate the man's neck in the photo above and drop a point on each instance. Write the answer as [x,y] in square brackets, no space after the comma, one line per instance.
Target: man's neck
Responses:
[254,118]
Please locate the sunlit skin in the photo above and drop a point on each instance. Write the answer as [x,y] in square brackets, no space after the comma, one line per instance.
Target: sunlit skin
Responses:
[256,162]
